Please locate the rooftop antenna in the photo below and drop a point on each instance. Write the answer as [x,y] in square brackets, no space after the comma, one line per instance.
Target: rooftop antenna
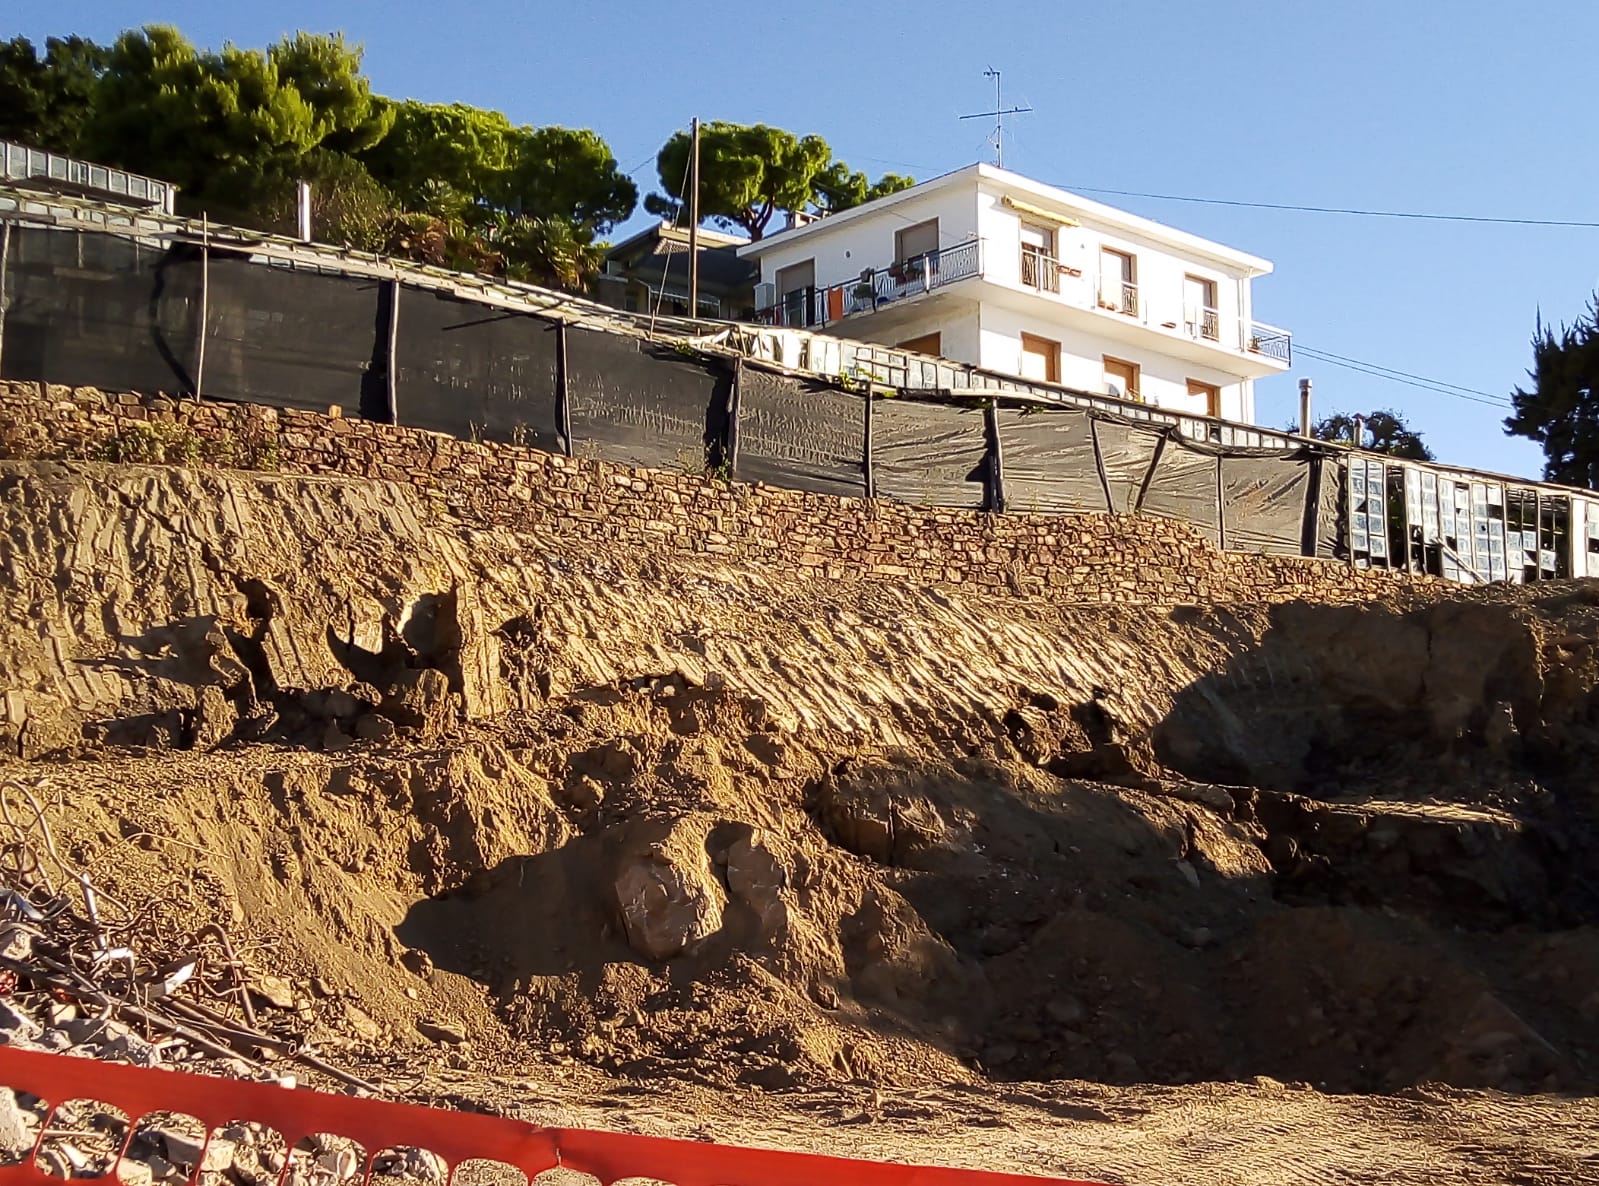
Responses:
[998,116]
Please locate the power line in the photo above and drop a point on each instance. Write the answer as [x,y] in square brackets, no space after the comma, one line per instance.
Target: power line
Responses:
[1410,214]
[1406,378]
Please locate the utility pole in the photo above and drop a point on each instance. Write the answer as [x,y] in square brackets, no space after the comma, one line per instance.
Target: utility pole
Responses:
[694,219]
[998,114]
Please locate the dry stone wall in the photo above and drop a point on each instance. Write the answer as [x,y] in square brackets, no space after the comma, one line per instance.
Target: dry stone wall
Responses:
[1081,558]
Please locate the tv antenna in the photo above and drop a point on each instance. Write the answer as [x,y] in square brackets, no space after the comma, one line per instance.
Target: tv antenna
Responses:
[998,116]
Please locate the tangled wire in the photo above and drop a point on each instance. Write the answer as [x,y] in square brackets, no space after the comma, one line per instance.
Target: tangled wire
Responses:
[63,934]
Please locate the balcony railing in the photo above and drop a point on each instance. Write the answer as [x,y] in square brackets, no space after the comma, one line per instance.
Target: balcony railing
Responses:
[812,307]
[877,288]
[1040,271]
[1269,341]
[1119,296]
[1203,322]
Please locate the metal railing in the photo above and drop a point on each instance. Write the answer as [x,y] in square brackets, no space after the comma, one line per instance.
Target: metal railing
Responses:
[1040,271]
[812,307]
[1270,341]
[21,165]
[1119,296]
[1203,322]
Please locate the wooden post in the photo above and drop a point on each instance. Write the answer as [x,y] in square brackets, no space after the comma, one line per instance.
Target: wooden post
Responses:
[1149,474]
[866,447]
[733,398]
[694,222]
[998,468]
[563,403]
[1221,509]
[5,252]
[1099,464]
[391,377]
[205,305]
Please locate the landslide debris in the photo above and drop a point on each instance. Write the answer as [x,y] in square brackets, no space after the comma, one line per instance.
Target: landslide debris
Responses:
[673,818]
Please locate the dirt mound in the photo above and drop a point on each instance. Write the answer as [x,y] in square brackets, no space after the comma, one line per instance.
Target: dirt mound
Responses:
[681,819]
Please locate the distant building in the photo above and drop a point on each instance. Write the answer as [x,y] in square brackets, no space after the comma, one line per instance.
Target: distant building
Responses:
[50,172]
[650,271]
[987,267]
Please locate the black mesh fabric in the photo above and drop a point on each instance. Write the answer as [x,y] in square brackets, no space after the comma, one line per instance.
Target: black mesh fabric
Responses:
[471,370]
[800,435]
[1049,462]
[638,404]
[932,454]
[97,310]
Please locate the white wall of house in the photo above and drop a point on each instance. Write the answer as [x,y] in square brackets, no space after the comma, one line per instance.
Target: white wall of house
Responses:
[842,251]
[1182,281]
[1163,379]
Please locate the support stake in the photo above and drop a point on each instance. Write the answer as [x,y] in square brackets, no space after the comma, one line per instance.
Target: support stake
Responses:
[391,378]
[563,401]
[5,252]
[205,305]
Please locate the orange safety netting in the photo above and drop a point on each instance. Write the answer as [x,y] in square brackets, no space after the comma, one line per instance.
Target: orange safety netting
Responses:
[455,1137]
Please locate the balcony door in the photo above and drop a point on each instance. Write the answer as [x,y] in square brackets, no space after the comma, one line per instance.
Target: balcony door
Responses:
[1118,281]
[1038,258]
[915,241]
[795,286]
[1200,315]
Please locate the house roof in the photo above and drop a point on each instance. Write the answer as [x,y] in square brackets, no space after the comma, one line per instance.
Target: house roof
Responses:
[1071,206]
[659,253]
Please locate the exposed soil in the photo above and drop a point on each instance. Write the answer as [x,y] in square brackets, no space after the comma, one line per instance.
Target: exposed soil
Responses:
[1213,894]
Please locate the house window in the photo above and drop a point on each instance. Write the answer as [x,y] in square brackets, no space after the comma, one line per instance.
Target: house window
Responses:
[915,241]
[1040,359]
[796,286]
[926,344]
[1209,392]
[1201,317]
[1038,258]
[1118,282]
[1121,379]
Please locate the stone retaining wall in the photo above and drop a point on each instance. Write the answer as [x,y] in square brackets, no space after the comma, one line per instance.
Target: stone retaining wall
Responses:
[1079,558]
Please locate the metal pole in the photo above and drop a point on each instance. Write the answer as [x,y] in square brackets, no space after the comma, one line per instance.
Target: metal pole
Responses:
[694,220]
[205,303]
[5,251]
[1304,407]
[391,381]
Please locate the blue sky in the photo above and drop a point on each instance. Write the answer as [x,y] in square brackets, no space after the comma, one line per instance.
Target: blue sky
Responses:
[1460,107]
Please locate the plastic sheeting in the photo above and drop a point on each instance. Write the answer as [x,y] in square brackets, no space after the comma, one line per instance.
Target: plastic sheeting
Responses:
[1327,489]
[1263,500]
[1050,468]
[102,311]
[800,435]
[637,404]
[1126,453]
[292,339]
[932,454]
[1183,487]
[469,370]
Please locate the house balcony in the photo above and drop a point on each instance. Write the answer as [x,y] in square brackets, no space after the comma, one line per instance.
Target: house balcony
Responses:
[1043,287]
[875,289]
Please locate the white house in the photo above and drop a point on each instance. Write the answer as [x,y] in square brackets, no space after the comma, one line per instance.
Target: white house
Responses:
[986,267]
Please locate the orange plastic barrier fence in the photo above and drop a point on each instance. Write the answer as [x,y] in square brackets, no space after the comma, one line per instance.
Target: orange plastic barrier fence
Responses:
[455,1137]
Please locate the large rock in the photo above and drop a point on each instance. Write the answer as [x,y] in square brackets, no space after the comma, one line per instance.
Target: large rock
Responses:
[758,879]
[420,699]
[666,893]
